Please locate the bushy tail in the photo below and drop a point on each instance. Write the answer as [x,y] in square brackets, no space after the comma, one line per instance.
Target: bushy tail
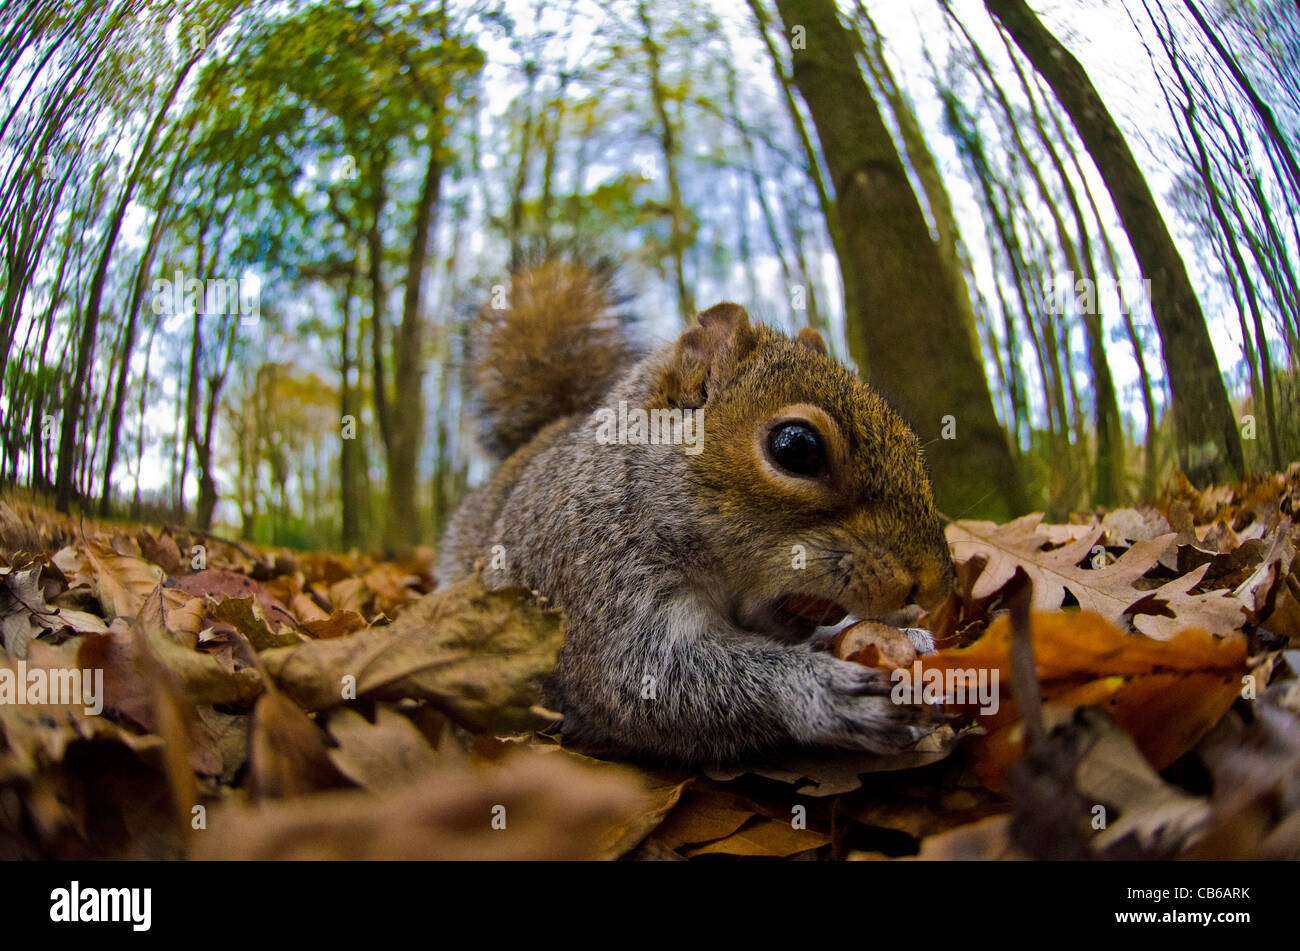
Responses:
[550,349]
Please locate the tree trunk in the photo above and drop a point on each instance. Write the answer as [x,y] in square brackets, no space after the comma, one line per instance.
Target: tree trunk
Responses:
[402,529]
[814,319]
[80,382]
[162,215]
[678,239]
[927,171]
[378,297]
[516,217]
[848,279]
[191,402]
[207,499]
[1149,461]
[139,438]
[1209,445]
[1262,111]
[350,457]
[918,348]
[1108,474]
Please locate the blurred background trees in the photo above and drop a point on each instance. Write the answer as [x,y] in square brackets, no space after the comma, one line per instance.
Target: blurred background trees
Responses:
[242,240]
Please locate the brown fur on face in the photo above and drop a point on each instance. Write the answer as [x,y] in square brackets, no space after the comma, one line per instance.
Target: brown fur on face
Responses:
[866,536]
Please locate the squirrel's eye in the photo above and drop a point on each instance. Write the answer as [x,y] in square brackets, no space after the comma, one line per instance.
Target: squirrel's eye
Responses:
[797,448]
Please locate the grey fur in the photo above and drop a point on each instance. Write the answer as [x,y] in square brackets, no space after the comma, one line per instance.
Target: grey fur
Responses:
[622,553]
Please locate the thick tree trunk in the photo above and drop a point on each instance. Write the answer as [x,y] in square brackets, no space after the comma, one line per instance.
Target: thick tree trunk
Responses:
[910,325]
[402,529]
[949,241]
[1209,445]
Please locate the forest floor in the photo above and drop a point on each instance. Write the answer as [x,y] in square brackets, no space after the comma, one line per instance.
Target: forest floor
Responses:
[260,703]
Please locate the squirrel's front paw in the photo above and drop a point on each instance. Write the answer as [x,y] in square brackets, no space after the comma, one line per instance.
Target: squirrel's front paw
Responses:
[859,712]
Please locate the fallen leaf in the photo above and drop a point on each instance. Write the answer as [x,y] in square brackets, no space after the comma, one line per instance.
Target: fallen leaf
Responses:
[24,612]
[388,752]
[478,655]
[983,841]
[1166,694]
[771,838]
[287,753]
[121,582]
[245,616]
[222,585]
[1161,819]
[1174,606]
[1108,591]
[338,624]
[544,807]
[702,816]
[161,550]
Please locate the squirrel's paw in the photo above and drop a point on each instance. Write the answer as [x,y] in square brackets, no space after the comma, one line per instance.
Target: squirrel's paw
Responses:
[859,712]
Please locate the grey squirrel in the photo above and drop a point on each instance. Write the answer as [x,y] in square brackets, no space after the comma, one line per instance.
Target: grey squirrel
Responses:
[693,569]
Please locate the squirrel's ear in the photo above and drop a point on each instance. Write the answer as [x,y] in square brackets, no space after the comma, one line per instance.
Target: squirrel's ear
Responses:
[812,340]
[706,356]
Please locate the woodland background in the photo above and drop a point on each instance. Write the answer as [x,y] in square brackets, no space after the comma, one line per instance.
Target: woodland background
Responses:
[906,177]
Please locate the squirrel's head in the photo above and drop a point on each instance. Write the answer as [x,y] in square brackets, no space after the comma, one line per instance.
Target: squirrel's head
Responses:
[818,504]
